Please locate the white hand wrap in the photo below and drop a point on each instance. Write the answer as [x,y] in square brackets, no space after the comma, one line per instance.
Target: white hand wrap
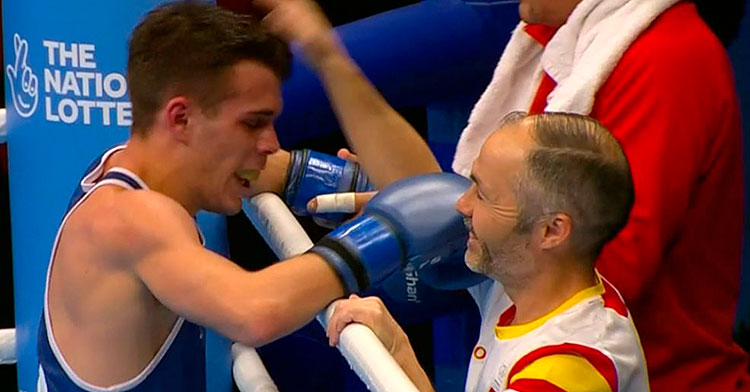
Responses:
[336,202]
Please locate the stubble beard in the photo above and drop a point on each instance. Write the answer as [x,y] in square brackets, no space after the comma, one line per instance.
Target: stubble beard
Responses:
[506,263]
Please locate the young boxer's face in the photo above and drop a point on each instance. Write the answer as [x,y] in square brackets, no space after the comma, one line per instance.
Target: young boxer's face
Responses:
[235,138]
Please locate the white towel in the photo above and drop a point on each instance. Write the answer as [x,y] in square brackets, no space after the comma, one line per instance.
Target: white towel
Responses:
[580,58]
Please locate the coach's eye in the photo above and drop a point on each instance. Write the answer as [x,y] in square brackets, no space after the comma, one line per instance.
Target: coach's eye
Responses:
[478,192]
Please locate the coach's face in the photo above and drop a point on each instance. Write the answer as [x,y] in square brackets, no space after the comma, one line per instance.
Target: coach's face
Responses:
[495,247]
[547,12]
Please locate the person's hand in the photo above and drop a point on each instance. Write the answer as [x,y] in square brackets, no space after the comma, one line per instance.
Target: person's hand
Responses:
[301,22]
[347,155]
[371,312]
[339,202]
[345,202]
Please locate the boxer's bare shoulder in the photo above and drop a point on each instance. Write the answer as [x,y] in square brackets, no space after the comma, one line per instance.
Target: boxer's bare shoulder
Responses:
[127,224]
[95,291]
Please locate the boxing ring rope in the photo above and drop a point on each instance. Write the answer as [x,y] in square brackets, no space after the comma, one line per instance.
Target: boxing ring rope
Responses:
[7,336]
[3,129]
[358,344]
[249,373]
[8,346]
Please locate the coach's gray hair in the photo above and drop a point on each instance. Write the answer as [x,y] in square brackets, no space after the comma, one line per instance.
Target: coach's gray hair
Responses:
[576,167]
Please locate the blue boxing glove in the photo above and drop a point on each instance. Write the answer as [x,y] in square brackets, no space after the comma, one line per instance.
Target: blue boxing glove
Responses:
[448,272]
[443,272]
[413,221]
[312,173]
[421,302]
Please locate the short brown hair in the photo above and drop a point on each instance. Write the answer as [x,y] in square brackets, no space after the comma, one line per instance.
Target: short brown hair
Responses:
[579,168]
[186,47]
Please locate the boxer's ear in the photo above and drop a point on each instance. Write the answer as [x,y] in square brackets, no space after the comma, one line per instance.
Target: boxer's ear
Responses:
[176,117]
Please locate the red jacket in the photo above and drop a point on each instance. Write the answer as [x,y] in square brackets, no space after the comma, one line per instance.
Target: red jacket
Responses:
[671,102]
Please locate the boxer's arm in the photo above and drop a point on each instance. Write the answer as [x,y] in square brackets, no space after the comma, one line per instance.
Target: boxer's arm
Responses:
[387,146]
[250,307]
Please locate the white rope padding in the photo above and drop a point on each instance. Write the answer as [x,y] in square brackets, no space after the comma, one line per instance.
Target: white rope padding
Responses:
[249,373]
[3,128]
[358,344]
[8,346]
